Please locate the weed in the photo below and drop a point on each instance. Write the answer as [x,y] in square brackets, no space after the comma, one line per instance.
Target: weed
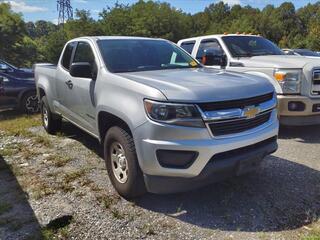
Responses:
[41,191]
[148,229]
[106,201]
[313,235]
[72,176]
[58,160]
[117,214]
[43,140]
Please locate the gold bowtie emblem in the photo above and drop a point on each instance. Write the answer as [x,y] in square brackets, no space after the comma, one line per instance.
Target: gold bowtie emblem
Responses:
[251,112]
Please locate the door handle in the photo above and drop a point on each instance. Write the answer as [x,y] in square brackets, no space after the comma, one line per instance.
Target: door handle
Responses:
[69,84]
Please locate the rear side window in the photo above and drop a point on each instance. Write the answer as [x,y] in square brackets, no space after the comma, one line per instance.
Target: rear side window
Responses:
[209,44]
[188,46]
[83,53]
[67,55]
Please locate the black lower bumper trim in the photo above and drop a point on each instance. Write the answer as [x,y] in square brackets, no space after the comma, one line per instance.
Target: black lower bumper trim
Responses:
[221,166]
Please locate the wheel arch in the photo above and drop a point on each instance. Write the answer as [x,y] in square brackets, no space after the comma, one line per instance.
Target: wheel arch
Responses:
[106,120]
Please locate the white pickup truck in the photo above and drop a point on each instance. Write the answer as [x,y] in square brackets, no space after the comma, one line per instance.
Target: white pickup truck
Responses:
[295,78]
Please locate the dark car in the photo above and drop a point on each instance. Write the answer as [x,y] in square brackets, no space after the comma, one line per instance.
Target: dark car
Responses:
[300,52]
[15,72]
[17,89]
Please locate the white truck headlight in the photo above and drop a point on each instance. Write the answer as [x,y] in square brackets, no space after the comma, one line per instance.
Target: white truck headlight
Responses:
[174,113]
[289,80]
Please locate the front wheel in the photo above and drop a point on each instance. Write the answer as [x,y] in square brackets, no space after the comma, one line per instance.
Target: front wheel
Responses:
[122,163]
[50,121]
[30,103]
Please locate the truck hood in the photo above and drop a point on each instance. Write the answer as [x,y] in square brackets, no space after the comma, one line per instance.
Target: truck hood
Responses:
[202,84]
[279,61]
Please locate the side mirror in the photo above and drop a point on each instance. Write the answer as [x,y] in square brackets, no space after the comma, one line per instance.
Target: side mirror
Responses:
[4,67]
[81,69]
[214,58]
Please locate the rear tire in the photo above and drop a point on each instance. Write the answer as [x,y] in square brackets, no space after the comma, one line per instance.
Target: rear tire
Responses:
[51,122]
[122,163]
[30,103]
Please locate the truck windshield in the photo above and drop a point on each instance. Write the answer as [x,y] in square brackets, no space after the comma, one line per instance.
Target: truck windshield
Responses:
[133,55]
[249,46]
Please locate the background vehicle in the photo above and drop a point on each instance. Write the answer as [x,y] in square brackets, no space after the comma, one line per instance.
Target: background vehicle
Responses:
[18,93]
[167,123]
[8,70]
[296,79]
[300,52]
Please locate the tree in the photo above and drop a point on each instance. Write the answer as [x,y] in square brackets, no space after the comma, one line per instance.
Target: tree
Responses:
[12,32]
[149,19]
[83,25]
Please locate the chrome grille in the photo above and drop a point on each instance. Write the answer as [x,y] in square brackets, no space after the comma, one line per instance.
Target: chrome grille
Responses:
[236,116]
[238,125]
[315,88]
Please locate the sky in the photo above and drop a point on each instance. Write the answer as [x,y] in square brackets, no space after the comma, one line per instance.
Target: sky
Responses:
[34,10]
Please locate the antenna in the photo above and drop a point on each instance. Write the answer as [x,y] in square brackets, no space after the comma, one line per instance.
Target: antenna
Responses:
[65,11]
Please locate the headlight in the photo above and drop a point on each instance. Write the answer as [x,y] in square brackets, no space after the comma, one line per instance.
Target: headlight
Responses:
[289,80]
[172,113]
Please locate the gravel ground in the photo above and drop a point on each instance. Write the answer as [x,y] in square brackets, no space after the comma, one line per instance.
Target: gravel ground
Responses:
[56,187]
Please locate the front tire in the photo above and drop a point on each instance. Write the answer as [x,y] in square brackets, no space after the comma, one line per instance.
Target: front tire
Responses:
[122,163]
[50,121]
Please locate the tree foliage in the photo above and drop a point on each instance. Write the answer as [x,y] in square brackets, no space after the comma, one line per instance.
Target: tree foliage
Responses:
[43,40]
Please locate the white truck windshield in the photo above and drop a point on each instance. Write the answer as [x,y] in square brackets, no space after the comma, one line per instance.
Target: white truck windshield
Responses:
[249,46]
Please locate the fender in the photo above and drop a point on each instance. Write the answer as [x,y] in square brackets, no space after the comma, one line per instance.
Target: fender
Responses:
[271,80]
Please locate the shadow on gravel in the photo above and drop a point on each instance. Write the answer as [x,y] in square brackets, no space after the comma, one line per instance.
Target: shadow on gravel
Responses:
[282,195]
[306,134]
[71,131]
[9,114]
[17,219]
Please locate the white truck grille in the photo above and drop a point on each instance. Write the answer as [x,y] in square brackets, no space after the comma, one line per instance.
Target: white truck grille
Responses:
[315,88]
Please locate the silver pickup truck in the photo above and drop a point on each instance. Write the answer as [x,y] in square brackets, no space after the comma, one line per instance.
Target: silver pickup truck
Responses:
[167,123]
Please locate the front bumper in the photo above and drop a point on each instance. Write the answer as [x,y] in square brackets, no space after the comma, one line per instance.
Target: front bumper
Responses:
[309,115]
[152,136]
[221,166]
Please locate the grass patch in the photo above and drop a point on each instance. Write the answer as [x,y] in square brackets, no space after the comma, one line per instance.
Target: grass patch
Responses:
[106,201]
[117,214]
[66,187]
[50,234]
[72,176]
[7,151]
[57,228]
[41,191]
[5,207]
[58,160]
[43,140]
[148,229]
[314,234]
[36,186]
[10,149]
[19,125]
[28,153]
